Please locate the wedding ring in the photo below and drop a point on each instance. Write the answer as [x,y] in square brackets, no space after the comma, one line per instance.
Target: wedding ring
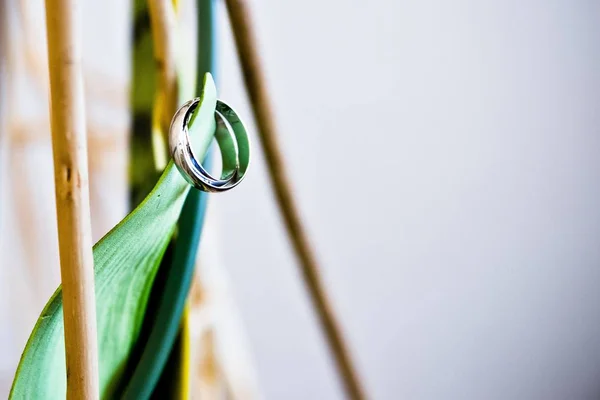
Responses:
[232,138]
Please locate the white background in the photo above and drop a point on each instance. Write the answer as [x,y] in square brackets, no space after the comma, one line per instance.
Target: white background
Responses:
[445,156]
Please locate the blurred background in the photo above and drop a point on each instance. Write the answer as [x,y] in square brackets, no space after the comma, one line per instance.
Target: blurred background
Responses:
[445,158]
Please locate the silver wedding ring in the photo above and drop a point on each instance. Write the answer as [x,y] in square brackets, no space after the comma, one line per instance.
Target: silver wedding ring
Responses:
[227,138]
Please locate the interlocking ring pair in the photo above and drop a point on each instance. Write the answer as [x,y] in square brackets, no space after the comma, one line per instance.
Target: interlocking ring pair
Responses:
[231,137]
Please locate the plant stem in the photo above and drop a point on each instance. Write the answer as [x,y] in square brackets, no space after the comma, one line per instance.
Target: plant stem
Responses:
[63,25]
[164,27]
[241,24]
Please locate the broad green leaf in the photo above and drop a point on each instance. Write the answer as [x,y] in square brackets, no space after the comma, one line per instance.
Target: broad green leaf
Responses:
[170,296]
[126,261]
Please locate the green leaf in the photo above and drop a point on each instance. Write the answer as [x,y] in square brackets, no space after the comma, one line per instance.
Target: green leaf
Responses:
[126,261]
[175,381]
[171,295]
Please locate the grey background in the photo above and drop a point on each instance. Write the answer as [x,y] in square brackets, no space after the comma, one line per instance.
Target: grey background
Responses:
[445,154]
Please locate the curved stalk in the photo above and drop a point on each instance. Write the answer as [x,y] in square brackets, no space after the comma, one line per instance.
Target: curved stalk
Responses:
[241,24]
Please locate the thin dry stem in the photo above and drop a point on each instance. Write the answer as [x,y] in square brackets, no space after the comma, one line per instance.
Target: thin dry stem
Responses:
[164,25]
[247,49]
[63,24]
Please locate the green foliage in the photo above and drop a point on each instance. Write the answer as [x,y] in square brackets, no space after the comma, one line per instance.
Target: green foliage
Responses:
[152,358]
[126,261]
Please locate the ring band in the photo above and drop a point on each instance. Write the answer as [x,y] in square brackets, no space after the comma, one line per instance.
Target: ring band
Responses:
[231,137]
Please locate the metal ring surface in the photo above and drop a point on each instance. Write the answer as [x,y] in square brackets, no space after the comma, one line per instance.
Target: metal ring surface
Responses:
[231,137]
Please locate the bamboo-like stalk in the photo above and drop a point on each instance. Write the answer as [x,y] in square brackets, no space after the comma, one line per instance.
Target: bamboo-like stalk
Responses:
[247,49]
[164,28]
[164,25]
[67,115]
